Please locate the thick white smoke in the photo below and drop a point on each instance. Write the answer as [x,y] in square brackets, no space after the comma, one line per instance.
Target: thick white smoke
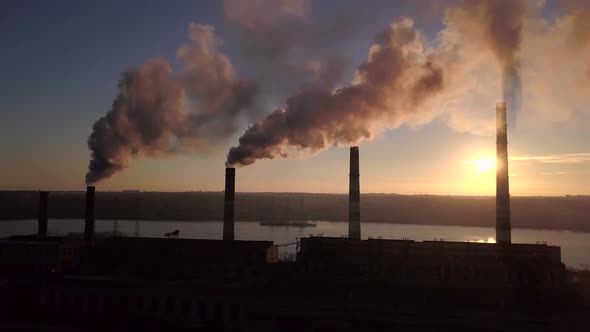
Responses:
[390,86]
[157,113]
[486,51]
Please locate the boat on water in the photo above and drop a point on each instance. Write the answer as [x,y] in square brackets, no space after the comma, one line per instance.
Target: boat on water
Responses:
[287,224]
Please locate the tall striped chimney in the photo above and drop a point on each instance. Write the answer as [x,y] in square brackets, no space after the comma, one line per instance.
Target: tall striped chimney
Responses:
[354,196]
[228,207]
[89,219]
[503,235]
[42,218]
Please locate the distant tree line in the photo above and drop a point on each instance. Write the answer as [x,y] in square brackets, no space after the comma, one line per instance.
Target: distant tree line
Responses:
[562,213]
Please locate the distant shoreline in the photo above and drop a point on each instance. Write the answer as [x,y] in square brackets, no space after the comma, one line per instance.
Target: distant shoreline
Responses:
[288,193]
[286,225]
[564,213]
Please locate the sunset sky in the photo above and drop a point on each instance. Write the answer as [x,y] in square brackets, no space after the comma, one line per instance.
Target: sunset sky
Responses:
[61,62]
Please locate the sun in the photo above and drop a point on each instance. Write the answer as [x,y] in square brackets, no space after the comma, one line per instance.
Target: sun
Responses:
[482,165]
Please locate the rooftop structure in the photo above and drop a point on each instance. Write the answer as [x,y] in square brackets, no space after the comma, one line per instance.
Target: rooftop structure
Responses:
[178,258]
[35,255]
[432,262]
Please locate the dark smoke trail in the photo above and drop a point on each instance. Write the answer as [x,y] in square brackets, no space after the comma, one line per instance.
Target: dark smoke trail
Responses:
[497,25]
[392,84]
[404,80]
[504,29]
[512,92]
[156,114]
[269,36]
[145,115]
[578,31]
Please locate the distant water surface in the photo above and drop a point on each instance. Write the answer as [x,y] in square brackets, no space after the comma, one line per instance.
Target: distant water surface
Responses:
[575,246]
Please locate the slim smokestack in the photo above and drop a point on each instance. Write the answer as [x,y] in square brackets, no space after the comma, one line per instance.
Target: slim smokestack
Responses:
[42,224]
[354,196]
[228,207]
[502,189]
[89,221]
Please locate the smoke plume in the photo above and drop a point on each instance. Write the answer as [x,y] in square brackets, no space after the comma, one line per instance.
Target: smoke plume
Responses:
[392,83]
[281,48]
[498,26]
[407,80]
[486,50]
[157,113]
[264,15]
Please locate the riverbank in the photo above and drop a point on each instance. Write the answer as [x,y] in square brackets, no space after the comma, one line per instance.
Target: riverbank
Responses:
[554,213]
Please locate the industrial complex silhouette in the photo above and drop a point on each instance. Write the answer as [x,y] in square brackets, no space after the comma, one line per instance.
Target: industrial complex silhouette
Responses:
[100,282]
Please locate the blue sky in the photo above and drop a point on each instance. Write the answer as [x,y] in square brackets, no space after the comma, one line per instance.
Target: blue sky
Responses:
[61,60]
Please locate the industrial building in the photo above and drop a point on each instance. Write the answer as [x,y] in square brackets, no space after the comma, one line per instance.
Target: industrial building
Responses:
[432,262]
[183,258]
[38,255]
[335,284]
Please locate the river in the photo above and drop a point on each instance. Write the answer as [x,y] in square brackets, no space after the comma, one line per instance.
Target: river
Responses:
[575,246]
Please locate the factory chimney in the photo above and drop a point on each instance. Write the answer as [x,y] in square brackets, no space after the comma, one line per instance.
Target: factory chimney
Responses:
[228,207]
[354,196]
[89,220]
[42,224]
[503,235]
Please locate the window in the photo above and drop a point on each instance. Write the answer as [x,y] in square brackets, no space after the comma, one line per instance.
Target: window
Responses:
[108,303]
[139,303]
[202,311]
[79,300]
[93,302]
[218,312]
[169,306]
[124,300]
[65,300]
[234,312]
[153,305]
[185,307]
[51,298]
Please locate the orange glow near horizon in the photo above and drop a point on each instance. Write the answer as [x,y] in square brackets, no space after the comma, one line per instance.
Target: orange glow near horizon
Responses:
[482,164]
[489,240]
[469,172]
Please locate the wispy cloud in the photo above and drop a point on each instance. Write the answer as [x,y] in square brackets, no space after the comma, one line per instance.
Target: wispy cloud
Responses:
[563,173]
[567,158]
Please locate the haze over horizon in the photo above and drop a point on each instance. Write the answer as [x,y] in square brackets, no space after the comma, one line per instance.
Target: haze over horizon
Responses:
[433,134]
